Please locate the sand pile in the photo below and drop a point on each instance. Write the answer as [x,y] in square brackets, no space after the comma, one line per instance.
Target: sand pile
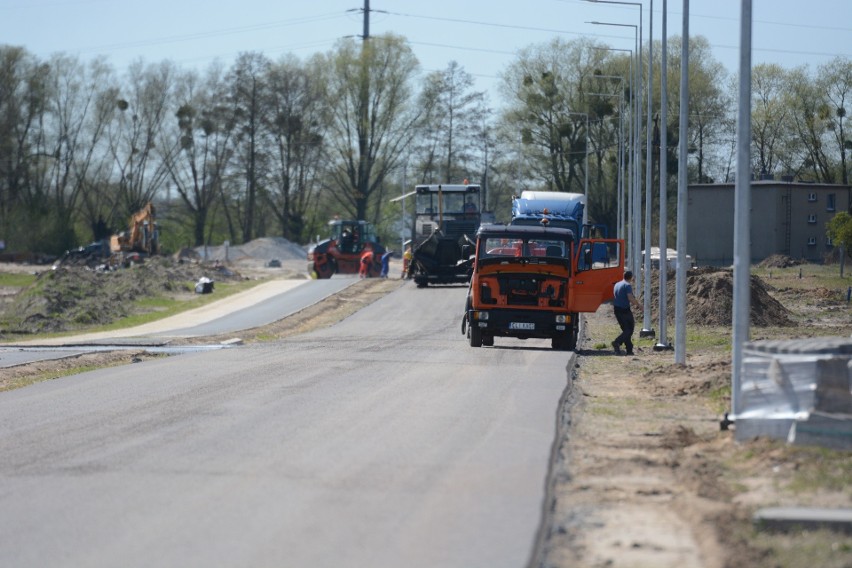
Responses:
[266,249]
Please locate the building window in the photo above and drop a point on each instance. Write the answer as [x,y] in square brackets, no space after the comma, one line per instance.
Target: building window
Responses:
[828,242]
[811,241]
[812,196]
[830,204]
[812,218]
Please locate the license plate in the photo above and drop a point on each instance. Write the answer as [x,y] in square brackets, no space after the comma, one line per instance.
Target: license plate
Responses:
[521,325]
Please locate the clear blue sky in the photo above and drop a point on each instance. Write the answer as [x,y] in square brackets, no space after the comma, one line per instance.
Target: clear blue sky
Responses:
[482,35]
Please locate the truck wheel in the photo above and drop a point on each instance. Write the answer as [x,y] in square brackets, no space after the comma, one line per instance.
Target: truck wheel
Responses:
[475,336]
[572,339]
[561,343]
[488,340]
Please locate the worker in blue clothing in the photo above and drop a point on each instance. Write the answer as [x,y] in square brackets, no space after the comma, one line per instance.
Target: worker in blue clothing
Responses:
[386,263]
[623,299]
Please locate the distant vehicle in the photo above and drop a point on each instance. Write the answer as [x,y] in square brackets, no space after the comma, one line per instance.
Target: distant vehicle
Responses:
[562,210]
[446,218]
[558,210]
[274,263]
[139,241]
[341,252]
[532,281]
[142,235]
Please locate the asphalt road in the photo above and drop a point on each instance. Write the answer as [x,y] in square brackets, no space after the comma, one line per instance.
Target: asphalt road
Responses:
[382,441]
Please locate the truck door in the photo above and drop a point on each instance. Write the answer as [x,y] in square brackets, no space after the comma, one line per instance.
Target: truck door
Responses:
[597,265]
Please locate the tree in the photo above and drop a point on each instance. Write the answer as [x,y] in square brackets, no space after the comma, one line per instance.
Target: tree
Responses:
[709,104]
[296,123]
[771,131]
[248,95]
[839,229]
[369,87]
[542,87]
[197,147]
[23,100]
[835,80]
[451,123]
[810,116]
[145,105]
[81,113]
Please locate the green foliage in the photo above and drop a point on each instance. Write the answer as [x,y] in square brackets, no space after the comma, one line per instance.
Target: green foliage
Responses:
[840,229]
[16,280]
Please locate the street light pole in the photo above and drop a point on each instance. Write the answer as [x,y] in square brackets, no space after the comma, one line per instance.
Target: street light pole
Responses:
[619,184]
[586,167]
[663,343]
[636,248]
[646,330]
[631,181]
[680,284]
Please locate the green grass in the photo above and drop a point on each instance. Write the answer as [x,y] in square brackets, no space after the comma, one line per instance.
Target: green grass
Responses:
[821,548]
[155,308]
[820,467]
[826,276]
[16,280]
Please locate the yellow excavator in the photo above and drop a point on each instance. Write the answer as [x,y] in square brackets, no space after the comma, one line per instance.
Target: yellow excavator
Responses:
[142,235]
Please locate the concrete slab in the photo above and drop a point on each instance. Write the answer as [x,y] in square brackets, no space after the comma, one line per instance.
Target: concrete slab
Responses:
[784,519]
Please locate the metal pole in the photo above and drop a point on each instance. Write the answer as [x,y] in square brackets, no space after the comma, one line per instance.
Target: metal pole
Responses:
[635,236]
[647,331]
[637,164]
[618,185]
[586,182]
[662,342]
[680,286]
[402,227]
[620,180]
[627,151]
[742,199]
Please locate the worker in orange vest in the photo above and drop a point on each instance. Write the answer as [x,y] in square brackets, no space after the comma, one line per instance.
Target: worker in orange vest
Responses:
[366,263]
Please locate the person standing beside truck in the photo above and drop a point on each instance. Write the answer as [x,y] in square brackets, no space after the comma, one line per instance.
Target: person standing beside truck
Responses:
[622,300]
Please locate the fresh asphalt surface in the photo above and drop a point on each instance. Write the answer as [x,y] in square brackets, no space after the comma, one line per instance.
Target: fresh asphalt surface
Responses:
[257,307]
[384,440]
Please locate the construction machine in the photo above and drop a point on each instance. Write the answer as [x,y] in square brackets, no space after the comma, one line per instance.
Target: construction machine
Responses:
[142,235]
[342,251]
[140,239]
[446,219]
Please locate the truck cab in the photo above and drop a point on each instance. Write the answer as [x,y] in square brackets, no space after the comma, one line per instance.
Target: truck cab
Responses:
[534,281]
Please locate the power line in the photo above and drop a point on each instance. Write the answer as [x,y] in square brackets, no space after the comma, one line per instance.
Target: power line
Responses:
[213,33]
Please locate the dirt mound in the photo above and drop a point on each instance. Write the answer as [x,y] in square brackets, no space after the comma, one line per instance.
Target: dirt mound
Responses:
[780,261]
[710,299]
[266,248]
[73,297]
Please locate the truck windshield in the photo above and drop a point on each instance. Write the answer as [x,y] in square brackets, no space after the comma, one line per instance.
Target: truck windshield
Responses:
[454,203]
[523,247]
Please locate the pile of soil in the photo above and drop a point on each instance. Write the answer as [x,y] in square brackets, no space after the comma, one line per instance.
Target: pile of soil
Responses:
[780,261]
[73,296]
[710,299]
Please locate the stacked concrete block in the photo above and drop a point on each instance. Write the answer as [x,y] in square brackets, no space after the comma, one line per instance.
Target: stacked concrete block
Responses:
[797,390]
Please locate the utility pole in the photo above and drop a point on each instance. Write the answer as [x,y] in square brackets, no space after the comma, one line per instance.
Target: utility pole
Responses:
[363,116]
[366,35]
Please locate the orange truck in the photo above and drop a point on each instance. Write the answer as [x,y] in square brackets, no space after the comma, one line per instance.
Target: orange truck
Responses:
[534,281]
